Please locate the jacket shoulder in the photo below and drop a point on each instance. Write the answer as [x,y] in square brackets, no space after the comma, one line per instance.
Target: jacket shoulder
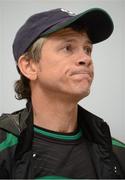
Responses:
[7,140]
[11,122]
[8,144]
[119,151]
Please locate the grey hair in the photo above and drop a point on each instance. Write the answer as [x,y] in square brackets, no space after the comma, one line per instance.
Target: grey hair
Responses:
[22,86]
[34,52]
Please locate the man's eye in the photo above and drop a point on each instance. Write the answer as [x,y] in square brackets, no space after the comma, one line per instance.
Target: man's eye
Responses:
[68,47]
[88,50]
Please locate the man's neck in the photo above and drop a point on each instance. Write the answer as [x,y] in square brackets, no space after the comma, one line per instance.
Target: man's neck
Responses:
[55,114]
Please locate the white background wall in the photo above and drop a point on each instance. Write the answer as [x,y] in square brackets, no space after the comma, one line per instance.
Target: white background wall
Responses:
[107,98]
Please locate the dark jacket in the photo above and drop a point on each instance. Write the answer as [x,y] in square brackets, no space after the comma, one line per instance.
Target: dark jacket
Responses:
[16,134]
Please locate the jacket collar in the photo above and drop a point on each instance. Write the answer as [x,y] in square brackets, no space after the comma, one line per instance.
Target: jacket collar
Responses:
[94,128]
[17,121]
[99,143]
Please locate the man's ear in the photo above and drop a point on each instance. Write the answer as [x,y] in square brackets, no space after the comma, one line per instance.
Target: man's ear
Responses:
[28,68]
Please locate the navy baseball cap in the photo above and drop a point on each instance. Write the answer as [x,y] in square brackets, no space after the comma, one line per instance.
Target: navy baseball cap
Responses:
[97,21]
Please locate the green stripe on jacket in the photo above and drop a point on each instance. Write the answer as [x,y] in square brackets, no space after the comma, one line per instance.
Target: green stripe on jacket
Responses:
[10,141]
[117,143]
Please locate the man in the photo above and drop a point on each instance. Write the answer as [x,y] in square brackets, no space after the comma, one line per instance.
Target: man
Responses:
[53,137]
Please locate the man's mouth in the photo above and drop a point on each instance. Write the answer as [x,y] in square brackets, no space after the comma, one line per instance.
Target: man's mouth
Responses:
[82,73]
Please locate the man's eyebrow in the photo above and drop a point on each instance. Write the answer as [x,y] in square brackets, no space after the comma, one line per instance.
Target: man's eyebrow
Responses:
[68,39]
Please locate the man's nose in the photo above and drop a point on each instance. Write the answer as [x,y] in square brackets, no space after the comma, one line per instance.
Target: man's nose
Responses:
[84,59]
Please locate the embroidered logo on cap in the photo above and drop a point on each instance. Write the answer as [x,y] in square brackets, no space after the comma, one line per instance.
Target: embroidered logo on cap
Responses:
[68,12]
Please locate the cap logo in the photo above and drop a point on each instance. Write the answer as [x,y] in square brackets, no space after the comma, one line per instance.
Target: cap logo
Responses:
[68,12]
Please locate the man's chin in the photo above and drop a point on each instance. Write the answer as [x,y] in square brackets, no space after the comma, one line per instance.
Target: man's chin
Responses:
[79,96]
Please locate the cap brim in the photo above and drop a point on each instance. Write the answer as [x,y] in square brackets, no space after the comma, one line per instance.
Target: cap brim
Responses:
[97,21]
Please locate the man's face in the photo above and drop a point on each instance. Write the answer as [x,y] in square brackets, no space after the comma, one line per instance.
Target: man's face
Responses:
[65,69]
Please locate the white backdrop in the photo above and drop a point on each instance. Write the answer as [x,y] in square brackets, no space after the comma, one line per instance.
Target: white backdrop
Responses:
[107,98]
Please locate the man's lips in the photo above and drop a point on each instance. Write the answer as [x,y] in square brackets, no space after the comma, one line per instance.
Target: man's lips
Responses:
[81,73]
